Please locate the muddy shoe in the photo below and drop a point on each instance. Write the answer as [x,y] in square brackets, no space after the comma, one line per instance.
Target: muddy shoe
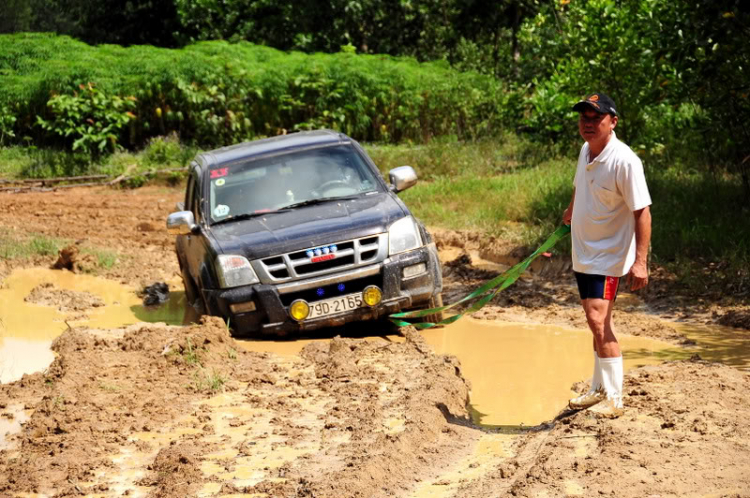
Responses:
[607,409]
[586,400]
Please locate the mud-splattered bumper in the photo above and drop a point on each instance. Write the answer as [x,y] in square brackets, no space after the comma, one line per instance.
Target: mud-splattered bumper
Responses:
[270,315]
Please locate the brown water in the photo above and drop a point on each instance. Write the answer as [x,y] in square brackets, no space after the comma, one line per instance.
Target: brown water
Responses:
[521,374]
[27,329]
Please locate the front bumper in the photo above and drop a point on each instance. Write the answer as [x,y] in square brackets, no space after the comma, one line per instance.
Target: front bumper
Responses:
[271,314]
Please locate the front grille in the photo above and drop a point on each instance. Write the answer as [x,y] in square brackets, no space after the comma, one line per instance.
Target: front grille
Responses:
[332,290]
[306,269]
[298,264]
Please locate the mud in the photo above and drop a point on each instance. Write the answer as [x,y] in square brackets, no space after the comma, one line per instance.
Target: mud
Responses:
[64,300]
[152,409]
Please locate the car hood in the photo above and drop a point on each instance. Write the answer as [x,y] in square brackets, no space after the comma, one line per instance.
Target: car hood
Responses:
[308,226]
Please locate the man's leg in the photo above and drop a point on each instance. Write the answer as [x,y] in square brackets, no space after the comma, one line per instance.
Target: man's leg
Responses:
[599,318]
[598,293]
[597,324]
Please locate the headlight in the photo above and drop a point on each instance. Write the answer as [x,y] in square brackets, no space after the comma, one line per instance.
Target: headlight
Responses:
[234,271]
[403,236]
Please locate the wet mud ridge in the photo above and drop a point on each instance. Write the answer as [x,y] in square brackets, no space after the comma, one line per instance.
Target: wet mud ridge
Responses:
[172,412]
[153,410]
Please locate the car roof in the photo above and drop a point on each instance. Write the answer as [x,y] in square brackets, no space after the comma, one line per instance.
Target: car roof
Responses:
[267,146]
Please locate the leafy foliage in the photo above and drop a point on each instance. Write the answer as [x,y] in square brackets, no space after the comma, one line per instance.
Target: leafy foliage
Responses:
[216,93]
[91,118]
[672,67]
[7,121]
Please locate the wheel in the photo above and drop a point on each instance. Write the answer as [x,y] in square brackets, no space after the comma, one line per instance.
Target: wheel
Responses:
[436,301]
[195,307]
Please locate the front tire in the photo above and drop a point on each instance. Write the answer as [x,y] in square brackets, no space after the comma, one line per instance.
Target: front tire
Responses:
[436,301]
[195,307]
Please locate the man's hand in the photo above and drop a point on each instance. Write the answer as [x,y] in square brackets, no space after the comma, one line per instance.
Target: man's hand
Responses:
[568,214]
[637,277]
[638,274]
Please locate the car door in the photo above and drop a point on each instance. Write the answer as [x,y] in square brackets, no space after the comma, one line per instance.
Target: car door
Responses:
[196,246]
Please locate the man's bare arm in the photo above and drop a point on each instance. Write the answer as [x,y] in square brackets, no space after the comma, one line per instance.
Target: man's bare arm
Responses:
[568,213]
[638,276]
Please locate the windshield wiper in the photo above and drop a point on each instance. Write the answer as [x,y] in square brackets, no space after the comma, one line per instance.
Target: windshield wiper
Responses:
[320,200]
[247,216]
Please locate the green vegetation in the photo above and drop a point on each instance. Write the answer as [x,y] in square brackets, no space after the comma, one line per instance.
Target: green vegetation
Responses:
[500,188]
[190,354]
[476,95]
[19,162]
[14,247]
[105,259]
[216,93]
[90,118]
[208,381]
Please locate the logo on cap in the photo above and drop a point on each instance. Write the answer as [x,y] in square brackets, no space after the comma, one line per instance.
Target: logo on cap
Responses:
[594,98]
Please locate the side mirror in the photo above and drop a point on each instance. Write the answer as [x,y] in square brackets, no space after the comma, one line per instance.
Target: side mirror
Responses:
[181,223]
[402,178]
[180,206]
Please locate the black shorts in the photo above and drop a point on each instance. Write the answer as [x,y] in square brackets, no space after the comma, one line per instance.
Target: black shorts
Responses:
[597,286]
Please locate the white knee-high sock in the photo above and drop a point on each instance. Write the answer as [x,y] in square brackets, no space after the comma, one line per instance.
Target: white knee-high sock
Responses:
[596,379]
[611,369]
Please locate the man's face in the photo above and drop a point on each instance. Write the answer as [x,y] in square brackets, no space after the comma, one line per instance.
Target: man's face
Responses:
[595,127]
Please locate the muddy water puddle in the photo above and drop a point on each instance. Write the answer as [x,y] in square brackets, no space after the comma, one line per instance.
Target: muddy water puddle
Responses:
[27,328]
[522,374]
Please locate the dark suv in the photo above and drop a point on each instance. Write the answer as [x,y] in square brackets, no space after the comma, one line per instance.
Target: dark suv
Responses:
[299,232]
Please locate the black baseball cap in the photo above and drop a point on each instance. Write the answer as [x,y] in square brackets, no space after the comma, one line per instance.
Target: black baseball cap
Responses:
[599,102]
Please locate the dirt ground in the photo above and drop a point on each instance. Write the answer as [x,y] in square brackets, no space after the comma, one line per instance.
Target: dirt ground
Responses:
[156,410]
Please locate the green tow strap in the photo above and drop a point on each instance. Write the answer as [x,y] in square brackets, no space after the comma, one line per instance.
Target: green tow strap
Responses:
[491,288]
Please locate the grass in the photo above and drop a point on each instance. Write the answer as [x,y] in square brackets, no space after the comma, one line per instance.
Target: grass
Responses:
[191,354]
[505,187]
[105,259]
[14,247]
[160,153]
[208,381]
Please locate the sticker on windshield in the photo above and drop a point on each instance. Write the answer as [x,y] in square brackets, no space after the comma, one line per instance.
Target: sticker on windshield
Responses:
[220,182]
[221,210]
[218,173]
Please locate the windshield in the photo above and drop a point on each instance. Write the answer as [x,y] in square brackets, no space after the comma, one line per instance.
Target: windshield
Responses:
[272,183]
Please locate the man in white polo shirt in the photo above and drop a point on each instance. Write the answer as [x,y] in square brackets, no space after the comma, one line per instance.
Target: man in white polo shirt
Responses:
[610,223]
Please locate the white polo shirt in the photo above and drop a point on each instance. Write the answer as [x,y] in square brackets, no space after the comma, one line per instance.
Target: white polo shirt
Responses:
[608,190]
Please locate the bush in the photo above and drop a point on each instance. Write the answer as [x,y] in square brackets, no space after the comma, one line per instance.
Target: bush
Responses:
[90,118]
[217,93]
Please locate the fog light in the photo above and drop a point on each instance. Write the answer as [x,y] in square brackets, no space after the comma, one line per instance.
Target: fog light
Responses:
[242,307]
[413,270]
[372,295]
[299,310]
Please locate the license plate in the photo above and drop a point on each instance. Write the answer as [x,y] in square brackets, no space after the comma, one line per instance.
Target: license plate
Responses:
[335,305]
